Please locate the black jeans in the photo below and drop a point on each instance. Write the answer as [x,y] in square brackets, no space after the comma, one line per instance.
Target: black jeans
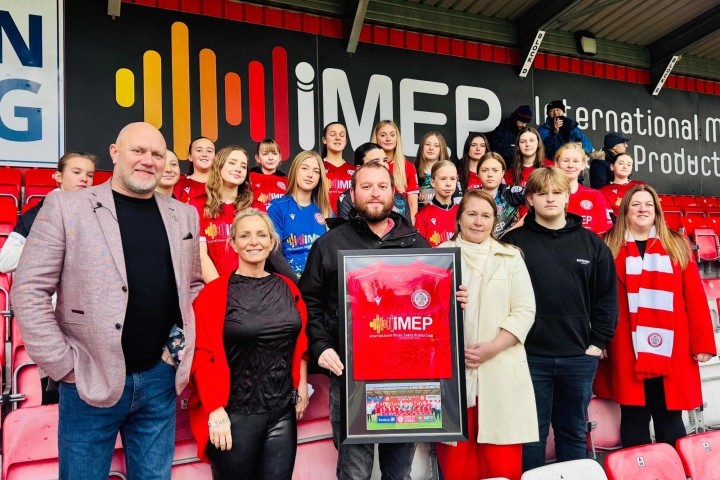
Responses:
[263,447]
[635,420]
[355,462]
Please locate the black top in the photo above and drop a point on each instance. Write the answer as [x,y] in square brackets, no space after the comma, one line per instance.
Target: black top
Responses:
[153,305]
[641,245]
[573,276]
[319,281]
[262,325]
[26,220]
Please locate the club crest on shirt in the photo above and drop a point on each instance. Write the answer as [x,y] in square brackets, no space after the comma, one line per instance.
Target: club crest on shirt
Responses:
[420,299]
[350,172]
[586,204]
[281,185]
[319,218]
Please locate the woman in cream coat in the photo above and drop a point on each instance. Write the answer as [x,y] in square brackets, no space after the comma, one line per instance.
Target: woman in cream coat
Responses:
[498,317]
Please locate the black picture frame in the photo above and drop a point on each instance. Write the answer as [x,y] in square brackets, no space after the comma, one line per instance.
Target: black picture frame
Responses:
[402,345]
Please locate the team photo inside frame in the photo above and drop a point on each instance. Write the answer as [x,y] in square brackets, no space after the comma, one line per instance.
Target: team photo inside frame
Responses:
[402,346]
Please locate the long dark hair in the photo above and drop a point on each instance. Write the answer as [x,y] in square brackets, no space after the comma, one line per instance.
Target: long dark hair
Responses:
[464,173]
[518,158]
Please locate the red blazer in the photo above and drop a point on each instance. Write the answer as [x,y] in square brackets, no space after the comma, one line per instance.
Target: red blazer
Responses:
[210,374]
[693,334]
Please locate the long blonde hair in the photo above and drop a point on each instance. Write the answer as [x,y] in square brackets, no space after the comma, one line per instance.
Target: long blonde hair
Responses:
[674,244]
[398,156]
[320,194]
[214,185]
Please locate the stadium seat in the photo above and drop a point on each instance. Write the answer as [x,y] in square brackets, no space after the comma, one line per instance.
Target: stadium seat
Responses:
[584,469]
[706,201]
[316,454]
[694,211]
[8,219]
[31,202]
[672,220]
[656,461]
[26,390]
[10,179]
[690,224]
[700,455]
[39,182]
[666,200]
[30,446]
[712,211]
[604,418]
[186,465]
[319,405]
[101,176]
[685,200]
[714,224]
[708,244]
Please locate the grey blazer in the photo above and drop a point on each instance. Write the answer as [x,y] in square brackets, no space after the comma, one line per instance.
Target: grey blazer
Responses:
[74,249]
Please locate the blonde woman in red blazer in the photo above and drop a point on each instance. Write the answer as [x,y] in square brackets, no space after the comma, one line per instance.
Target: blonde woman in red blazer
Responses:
[249,372]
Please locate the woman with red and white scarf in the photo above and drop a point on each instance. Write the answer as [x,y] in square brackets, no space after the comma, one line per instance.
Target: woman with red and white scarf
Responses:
[664,326]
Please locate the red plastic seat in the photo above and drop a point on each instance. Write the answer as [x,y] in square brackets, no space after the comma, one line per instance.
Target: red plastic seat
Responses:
[706,201]
[186,464]
[700,455]
[26,381]
[10,180]
[694,211]
[8,218]
[604,416]
[30,445]
[712,211]
[666,200]
[685,200]
[708,244]
[672,220]
[714,223]
[39,182]
[656,461]
[31,202]
[101,176]
[690,224]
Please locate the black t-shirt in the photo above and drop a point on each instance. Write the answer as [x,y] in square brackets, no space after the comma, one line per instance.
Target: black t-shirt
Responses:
[641,245]
[261,328]
[153,305]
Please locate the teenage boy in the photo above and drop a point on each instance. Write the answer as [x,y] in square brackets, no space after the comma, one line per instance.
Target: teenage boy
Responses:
[573,276]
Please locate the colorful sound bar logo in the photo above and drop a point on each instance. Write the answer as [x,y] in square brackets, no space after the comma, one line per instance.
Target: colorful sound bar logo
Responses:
[152,90]
[304,239]
[379,324]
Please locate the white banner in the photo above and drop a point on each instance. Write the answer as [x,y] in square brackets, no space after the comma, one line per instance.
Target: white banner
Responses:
[31,90]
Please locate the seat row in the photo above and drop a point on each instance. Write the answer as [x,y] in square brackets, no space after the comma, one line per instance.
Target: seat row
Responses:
[688,201]
[30,444]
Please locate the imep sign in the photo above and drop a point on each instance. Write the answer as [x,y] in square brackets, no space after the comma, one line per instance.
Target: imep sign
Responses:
[31,100]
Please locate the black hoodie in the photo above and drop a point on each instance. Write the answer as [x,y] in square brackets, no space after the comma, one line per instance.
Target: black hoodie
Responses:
[573,276]
[319,281]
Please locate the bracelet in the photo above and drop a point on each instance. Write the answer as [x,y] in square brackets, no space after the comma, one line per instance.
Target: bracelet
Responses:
[217,423]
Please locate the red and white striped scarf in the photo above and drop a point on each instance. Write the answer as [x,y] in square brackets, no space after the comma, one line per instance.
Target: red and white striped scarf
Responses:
[648,281]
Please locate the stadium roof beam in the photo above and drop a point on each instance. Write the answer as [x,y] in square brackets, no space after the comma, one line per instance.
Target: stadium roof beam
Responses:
[531,28]
[676,42]
[356,23]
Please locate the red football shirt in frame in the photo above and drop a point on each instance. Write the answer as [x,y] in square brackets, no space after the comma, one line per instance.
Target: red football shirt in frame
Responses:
[267,188]
[400,321]
[339,178]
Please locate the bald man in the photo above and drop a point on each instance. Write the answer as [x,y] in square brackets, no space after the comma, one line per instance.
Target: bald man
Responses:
[125,264]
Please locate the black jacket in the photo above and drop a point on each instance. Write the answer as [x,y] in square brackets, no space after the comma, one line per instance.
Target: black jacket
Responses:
[600,172]
[502,140]
[573,276]
[319,281]
[26,220]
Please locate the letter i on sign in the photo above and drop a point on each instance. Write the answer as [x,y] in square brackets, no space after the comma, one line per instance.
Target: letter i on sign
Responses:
[305,74]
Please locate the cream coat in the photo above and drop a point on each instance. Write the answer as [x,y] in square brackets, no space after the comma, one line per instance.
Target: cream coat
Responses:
[501,297]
